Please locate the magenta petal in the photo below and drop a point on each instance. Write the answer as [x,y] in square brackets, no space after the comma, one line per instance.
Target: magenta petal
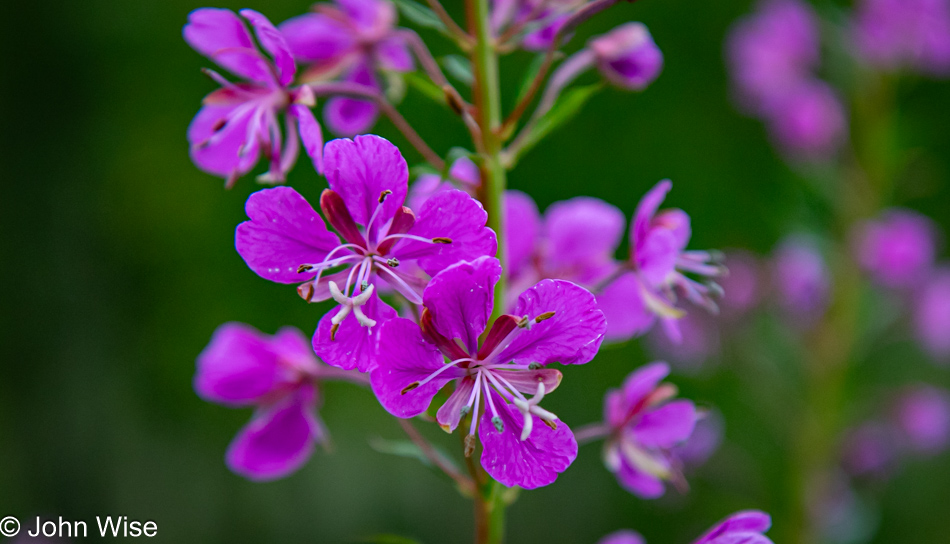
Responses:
[220,35]
[283,233]
[350,116]
[393,54]
[523,226]
[571,336]
[623,306]
[294,349]
[527,381]
[666,426]
[238,366]
[656,256]
[219,140]
[353,346]
[450,214]
[310,134]
[359,170]
[530,463]
[642,381]
[747,522]
[274,43]
[450,413]
[639,483]
[622,537]
[582,235]
[278,440]
[406,358]
[460,300]
[646,209]
[317,38]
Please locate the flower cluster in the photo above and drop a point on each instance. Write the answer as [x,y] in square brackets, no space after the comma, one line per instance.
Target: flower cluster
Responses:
[746,527]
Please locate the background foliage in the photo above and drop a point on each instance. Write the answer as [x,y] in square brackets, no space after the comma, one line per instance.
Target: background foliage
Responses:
[118,263]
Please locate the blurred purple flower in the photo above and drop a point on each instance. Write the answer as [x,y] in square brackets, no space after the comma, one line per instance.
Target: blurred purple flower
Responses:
[923,417]
[540,19]
[808,122]
[801,278]
[742,285]
[898,248]
[627,56]
[771,51]
[642,427]
[746,527]
[705,439]
[869,450]
[700,342]
[276,374]
[659,262]
[463,175]
[286,241]
[624,536]
[932,315]
[912,34]
[555,320]
[352,39]
[238,122]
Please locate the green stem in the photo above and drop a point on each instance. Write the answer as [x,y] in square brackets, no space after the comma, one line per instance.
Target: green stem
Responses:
[487,95]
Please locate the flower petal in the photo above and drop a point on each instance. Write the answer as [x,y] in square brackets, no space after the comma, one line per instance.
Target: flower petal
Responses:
[406,358]
[642,381]
[393,54]
[571,336]
[656,256]
[238,366]
[460,300]
[530,463]
[582,235]
[623,306]
[318,39]
[643,216]
[278,440]
[622,537]
[451,214]
[360,170]
[220,35]
[523,226]
[666,426]
[219,140]
[527,381]
[639,483]
[310,134]
[351,116]
[353,345]
[274,43]
[747,521]
[283,233]
[450,413]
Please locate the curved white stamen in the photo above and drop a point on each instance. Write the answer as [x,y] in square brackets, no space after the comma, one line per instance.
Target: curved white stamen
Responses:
[508,392]
[415,299]
[489,400]
[349,304]
[442,369]
[477,393]
[409,236]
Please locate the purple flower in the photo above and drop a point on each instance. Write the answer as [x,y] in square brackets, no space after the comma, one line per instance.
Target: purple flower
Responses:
[627,56]
[658,266]
[276,374]
[463,175]
[643,428]
[352,39]
[554,321]
[624,536]
[746,527]
[699,343]
[932,315]
[808,122]
[742,286]
[897,249]
[923,417]
[540,19]
[914,34]
[286,241]
[801,278]
[772,51]
[705,439]
[869,449]
[238,122]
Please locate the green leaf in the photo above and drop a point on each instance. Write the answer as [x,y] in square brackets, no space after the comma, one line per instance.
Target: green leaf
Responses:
[426,87]
[406,448]
[460,68]
[421,15]
[566,107]
[529,76]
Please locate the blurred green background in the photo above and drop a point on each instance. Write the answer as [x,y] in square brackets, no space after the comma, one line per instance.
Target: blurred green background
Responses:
[118,263]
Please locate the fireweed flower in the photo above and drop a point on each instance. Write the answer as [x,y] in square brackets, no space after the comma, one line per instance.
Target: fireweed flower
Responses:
[642,426]
[772,50]
[353,39]
[809,121]
[913,34]
[870,449]
[624,536]
[932,315]
[801,279]
[554,321]
[746,527]
[742,286]
[627,56]
[278,375]
[897,249]
[922,416]
[541,19]
[286,241]
[238,122]
[657,271]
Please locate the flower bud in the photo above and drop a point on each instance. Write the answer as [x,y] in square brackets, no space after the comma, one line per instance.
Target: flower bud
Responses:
[627,56]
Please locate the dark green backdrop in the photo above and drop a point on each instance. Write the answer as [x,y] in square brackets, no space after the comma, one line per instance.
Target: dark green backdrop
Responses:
[118,263]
